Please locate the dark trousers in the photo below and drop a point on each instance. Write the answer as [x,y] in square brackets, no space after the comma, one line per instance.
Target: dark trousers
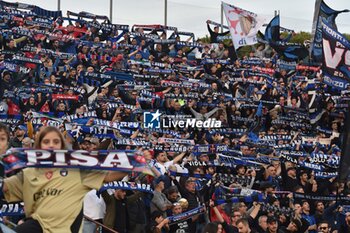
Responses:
[29,226]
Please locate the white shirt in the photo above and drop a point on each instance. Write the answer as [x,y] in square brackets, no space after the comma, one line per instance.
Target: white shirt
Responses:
[163,168]
[94,207]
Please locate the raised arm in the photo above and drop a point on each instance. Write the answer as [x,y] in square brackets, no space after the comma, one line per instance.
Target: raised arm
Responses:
[179,157]
[216,211]
[113,175]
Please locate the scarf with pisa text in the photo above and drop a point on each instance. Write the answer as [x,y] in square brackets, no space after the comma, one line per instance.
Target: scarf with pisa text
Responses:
[114,160]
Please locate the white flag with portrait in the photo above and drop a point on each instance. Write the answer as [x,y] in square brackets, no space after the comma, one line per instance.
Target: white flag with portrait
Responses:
[244,25]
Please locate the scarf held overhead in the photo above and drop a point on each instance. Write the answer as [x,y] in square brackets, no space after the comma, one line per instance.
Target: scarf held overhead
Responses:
[115,160]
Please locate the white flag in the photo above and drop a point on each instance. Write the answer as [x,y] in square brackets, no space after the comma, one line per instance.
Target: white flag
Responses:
[244,25]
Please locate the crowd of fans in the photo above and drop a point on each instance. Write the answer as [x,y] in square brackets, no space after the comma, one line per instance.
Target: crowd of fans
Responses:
[281,124]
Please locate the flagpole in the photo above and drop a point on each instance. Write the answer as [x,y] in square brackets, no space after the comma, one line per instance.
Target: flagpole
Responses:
[58,5]
[314,25]
[165,12]
[110,10]
[222,18]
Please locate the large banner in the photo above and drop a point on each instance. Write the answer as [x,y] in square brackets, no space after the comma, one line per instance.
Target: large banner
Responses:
[336,58]
[322,12]
[244,25]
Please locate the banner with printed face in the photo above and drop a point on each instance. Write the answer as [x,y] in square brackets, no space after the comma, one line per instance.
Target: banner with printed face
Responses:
[244,25]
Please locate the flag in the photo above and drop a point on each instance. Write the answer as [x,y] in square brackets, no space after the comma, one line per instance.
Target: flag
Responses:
[289,51]
[43,12]
[244,25]
[272,31]
[336,53]
[256,126]
[259,110]
[322,12]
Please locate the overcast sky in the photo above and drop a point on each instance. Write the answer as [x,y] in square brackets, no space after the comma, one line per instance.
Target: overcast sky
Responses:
[190,15]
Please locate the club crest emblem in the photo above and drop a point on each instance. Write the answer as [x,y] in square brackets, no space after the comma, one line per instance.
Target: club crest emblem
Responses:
[49,175]
[64,172]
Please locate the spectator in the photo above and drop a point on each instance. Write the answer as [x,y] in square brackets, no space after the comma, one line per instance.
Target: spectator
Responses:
[289,178]
[20,132]
[262,223]
[214,34]
[94,208]
[27,142]
[243,226]
[323,227]
[173,194]
[117,216]
[212,228]
[191,195]
[51,138]
[272,225]
[159,201]
[181,226]
[163,163]
[229,228]
[158,224]
[294,226]
[137,214]
[311,219]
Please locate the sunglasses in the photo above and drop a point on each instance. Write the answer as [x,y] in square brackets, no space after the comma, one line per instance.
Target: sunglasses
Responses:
[323,228]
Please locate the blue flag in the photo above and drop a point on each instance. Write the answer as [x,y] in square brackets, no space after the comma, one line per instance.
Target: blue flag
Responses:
[322,13]
[289,51]
[335,65]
